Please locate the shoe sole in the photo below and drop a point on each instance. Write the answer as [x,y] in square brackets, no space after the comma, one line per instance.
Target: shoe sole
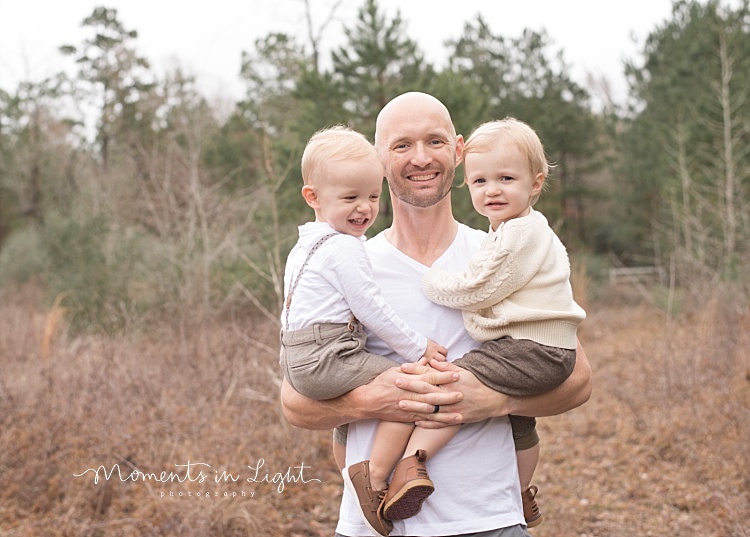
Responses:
[353,491]
[534,522]
[408,501]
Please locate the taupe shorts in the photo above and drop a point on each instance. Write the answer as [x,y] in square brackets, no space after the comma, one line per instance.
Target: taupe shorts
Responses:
[329,359]
[520,367]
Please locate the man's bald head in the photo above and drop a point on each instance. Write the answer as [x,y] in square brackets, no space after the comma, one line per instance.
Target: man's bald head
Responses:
[407,104]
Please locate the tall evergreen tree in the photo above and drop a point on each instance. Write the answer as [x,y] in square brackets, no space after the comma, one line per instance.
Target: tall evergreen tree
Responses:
[34,153]
[115,77]
[691,108]
[376,64]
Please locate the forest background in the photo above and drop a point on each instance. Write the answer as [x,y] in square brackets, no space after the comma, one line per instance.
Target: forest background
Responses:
[141,268]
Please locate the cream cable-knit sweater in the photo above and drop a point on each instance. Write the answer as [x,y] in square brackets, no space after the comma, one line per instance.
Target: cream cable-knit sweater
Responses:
[517,285]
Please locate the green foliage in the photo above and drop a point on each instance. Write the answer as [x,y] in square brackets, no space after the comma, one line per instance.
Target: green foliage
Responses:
[481,58]
[468,104]
[321,98]
[9,220]
[91,270]
[686,145]
[199,203]
[113,76]
[22,257]
[270,73]
[34,155]
[375,64]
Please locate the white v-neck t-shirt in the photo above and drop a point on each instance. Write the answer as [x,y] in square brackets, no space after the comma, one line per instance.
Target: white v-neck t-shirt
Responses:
[475,475]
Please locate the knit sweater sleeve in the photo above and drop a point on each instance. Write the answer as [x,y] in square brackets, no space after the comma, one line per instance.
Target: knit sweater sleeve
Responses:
[491,277]
[506,262]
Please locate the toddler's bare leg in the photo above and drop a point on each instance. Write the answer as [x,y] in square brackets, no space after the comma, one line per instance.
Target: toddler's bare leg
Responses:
[430,440]
[391,439]
[527,460]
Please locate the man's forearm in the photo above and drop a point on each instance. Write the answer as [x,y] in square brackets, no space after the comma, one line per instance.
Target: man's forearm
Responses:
[310,414]
[381,399]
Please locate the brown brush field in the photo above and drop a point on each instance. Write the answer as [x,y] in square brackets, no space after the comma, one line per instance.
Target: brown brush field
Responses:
[169,432]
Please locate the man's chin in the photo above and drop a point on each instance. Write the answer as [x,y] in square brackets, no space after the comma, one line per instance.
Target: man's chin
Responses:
[424,197]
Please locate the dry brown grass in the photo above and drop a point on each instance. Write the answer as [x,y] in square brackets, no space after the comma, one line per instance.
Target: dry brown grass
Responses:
[149,403]
[661,448]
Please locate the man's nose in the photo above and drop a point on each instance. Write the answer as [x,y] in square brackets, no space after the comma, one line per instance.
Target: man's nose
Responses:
[421,156]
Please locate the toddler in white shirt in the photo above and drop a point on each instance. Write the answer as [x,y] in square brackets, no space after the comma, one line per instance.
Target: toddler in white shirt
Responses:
[330,294]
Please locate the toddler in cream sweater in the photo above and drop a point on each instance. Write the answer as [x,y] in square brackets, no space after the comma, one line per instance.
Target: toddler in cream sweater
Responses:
[516,295]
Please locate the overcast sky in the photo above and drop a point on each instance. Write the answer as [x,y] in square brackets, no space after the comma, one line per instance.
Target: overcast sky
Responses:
[207,36]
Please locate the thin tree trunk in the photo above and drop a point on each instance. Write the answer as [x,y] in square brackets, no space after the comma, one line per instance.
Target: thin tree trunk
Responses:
[729,216]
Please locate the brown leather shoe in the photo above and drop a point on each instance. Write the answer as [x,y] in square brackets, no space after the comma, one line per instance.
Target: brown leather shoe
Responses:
[531,511]
[409,487]
[370,502]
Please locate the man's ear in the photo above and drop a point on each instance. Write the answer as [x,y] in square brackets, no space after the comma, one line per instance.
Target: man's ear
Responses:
[310,196]
[459,149]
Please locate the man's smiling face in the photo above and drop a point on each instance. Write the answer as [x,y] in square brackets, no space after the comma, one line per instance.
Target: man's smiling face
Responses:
[419,149]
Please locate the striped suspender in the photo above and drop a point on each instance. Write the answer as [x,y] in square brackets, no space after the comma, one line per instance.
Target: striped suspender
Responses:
[317,245]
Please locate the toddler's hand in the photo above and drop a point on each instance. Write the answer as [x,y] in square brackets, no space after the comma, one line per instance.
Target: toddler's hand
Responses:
[435,352]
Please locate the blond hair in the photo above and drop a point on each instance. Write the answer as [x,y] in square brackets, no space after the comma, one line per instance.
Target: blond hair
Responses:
[510,129]
[333,144]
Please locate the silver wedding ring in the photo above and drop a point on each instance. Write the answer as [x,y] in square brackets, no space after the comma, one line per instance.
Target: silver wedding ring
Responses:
[437,409]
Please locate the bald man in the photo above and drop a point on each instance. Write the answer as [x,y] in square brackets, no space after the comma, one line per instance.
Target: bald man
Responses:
[475,475]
